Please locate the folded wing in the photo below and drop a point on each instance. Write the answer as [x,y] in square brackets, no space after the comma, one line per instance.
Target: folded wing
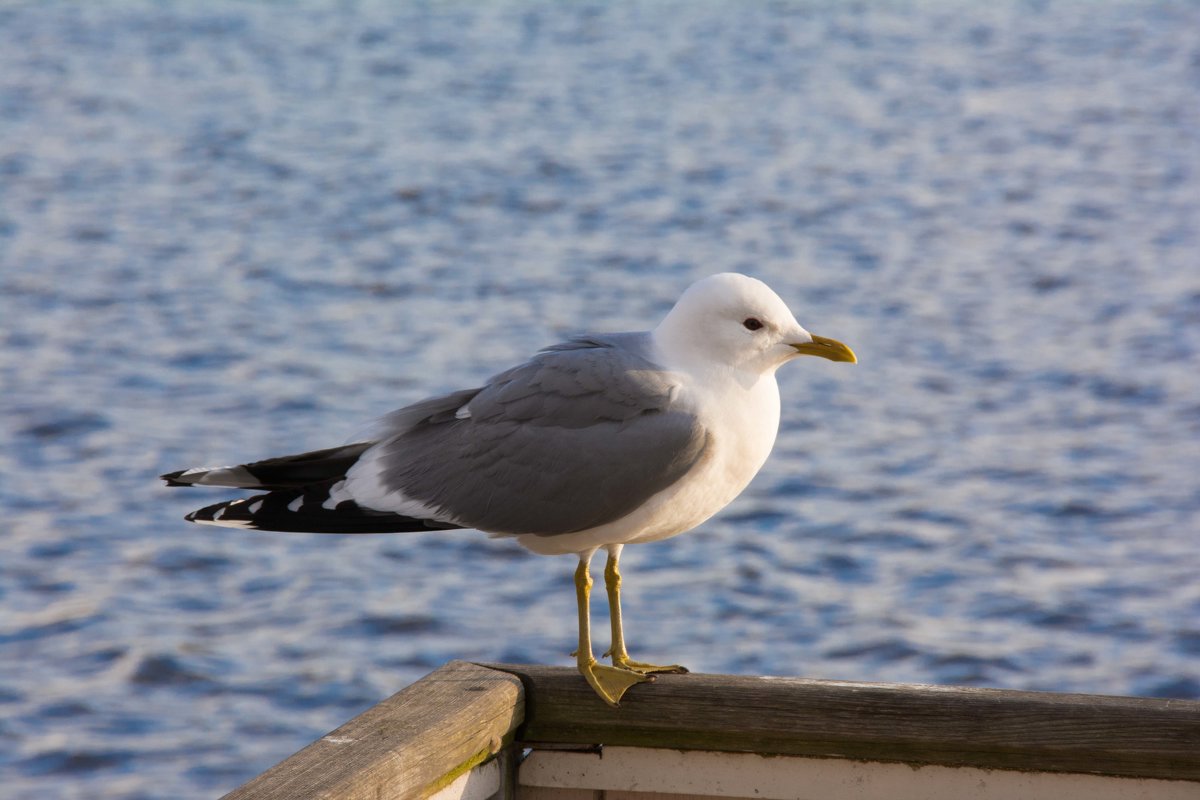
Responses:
[579,436]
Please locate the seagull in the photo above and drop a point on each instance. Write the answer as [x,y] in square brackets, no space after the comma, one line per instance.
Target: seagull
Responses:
[595,443]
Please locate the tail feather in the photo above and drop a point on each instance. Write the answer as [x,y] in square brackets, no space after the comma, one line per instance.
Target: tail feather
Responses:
[308,510]
[285,472]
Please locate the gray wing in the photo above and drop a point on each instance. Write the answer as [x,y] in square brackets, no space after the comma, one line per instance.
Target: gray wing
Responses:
[579,436]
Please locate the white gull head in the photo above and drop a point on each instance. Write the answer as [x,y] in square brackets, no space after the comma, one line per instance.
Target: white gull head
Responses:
[735,322]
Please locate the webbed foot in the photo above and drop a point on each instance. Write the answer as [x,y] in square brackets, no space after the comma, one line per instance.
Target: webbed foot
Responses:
[611,683]
[647,669]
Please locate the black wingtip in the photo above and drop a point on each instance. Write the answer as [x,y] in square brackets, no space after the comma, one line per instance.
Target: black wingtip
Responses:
[172,478]
[275,511]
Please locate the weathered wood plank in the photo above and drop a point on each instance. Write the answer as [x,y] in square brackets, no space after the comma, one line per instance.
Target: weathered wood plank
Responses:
[409,746]
[643,773]
[987,728]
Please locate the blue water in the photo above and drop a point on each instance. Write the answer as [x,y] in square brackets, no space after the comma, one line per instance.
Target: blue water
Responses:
[233,230]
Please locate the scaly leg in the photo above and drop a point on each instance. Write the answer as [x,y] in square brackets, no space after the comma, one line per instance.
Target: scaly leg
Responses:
[620,657]
[610,683]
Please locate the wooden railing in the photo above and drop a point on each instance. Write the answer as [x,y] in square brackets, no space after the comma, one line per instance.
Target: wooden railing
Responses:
[462,731]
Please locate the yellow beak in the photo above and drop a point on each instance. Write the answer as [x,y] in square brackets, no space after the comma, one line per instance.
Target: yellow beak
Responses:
[831,349]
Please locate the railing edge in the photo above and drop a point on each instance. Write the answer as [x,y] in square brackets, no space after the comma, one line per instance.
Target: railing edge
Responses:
[914,724]
[406,747]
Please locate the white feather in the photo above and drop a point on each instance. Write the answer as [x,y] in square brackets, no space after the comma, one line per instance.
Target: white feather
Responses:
[364,485]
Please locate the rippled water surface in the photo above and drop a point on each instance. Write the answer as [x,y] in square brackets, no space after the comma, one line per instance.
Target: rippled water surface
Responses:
[236,230]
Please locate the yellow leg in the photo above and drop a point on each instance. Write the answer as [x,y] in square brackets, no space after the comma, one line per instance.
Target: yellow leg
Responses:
[620,657]
[610,683]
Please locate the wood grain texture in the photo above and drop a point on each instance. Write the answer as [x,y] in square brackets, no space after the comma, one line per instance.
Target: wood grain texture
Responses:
[952,726]
[408,746]
[646,773]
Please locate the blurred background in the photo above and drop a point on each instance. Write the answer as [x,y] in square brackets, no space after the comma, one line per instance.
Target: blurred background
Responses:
[233,230]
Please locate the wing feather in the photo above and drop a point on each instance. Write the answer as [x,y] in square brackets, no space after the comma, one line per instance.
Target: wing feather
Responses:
[579,436]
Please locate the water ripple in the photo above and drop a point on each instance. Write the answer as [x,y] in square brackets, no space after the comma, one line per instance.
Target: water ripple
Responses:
[228,232]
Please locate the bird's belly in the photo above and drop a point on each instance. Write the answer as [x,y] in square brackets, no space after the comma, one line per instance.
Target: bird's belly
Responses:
[706,489]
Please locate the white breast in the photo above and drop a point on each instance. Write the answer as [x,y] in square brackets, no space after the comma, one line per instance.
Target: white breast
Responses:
[741,430]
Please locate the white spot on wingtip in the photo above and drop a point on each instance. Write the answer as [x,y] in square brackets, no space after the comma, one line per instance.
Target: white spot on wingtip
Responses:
[295,504]
[196,470]
[233,475]
[462,413]
[337,494]
[229,523]
[255,506]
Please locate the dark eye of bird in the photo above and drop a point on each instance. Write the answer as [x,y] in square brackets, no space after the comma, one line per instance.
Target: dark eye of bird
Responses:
[752,324]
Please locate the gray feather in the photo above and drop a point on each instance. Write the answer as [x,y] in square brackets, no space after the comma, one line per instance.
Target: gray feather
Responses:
[577,437]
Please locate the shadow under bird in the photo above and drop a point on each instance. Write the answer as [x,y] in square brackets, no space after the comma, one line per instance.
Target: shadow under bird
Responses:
[602,441]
